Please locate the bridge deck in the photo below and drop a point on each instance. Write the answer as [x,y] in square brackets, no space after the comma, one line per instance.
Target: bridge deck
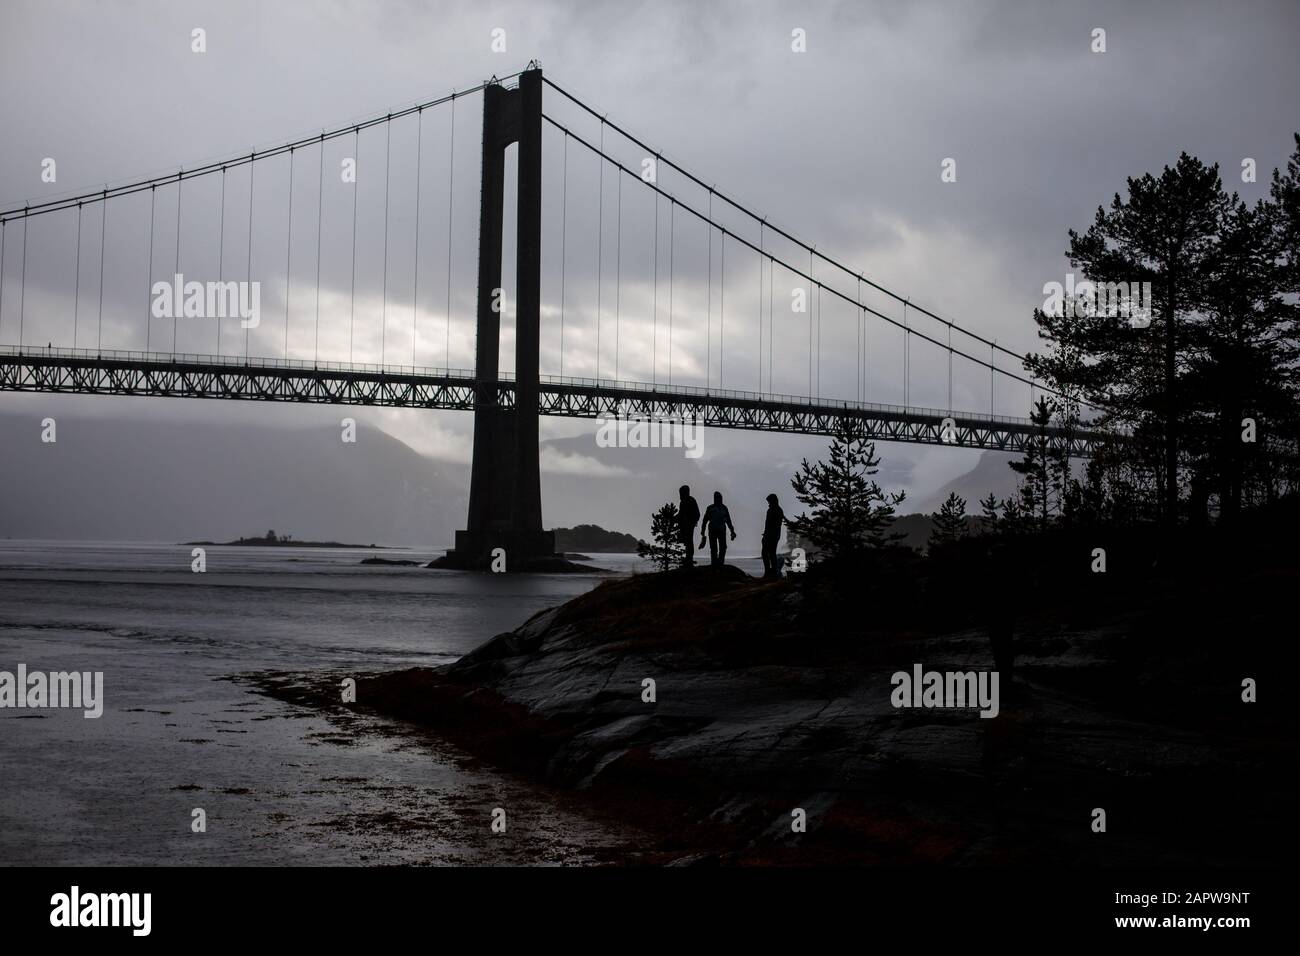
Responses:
[158,374]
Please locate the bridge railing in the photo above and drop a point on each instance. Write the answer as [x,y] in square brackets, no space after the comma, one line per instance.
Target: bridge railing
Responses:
[607,385]
[802,401]
[234,361]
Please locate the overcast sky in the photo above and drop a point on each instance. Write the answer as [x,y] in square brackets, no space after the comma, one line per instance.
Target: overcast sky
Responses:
[841,145]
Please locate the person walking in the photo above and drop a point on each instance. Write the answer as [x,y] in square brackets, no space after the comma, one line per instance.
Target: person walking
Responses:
[716,523]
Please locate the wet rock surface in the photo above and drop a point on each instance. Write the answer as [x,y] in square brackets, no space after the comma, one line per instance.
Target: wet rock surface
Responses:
[775,696]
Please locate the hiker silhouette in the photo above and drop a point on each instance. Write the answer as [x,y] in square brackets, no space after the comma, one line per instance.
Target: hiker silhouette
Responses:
[688,516]
[716,523]
[771,536]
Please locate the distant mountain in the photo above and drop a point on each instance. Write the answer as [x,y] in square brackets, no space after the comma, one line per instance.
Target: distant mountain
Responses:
[991,473]
[131,480]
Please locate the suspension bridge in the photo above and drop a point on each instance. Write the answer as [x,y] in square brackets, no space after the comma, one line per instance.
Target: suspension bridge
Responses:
[717,343]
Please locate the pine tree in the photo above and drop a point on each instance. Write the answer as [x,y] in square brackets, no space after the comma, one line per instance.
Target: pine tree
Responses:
[849,513]
[664,549]
[989,513]
[1165,233]
[1039,494]
[949,522]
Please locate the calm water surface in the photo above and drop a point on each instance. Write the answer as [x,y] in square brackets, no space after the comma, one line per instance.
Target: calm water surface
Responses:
[278,783]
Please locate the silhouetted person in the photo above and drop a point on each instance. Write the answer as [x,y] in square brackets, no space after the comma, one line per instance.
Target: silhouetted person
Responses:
[717,520]
[771,536]
[688,516]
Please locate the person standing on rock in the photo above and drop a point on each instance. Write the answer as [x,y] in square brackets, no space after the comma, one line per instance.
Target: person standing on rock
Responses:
[688,516]
[771,535]
[717,521]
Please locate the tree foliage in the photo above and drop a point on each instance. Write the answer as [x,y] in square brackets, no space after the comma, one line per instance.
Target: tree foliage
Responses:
[664,549]
[848,513]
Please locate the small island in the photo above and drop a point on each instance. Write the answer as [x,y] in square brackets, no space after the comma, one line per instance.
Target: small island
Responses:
[594,538]
[273,540]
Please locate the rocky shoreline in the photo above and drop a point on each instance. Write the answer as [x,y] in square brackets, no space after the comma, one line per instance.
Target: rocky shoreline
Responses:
[766,702]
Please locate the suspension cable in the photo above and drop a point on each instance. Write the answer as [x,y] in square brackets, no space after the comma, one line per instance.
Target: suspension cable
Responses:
[796,271]
[68,202]
[735,204]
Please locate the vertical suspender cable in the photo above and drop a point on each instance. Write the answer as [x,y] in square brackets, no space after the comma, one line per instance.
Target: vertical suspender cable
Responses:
[771,318]
[451,202]
[383,308]
[288,258]
[252,167]
[320,228]
[356,185]
[760,308]
[600,240]
[76,288]
[708,312]
[672,221]
[415,293]
[654,299]
[103,229]
[618,272]
[22,285]
[950,367]
[148,316]
[722,303]
[180,188]
[564,241]
[907,359]
[991,376]
[3,224]
[221,249]
[808,306]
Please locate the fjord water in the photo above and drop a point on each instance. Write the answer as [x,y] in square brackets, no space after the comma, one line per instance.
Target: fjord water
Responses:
[278,784]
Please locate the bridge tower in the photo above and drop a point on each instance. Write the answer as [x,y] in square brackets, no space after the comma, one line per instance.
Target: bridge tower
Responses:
[505,497]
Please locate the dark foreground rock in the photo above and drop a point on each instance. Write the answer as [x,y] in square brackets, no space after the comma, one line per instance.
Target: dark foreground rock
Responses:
[771,697]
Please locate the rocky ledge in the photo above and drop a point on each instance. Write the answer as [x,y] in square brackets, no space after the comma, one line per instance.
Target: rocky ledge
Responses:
[771,698]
